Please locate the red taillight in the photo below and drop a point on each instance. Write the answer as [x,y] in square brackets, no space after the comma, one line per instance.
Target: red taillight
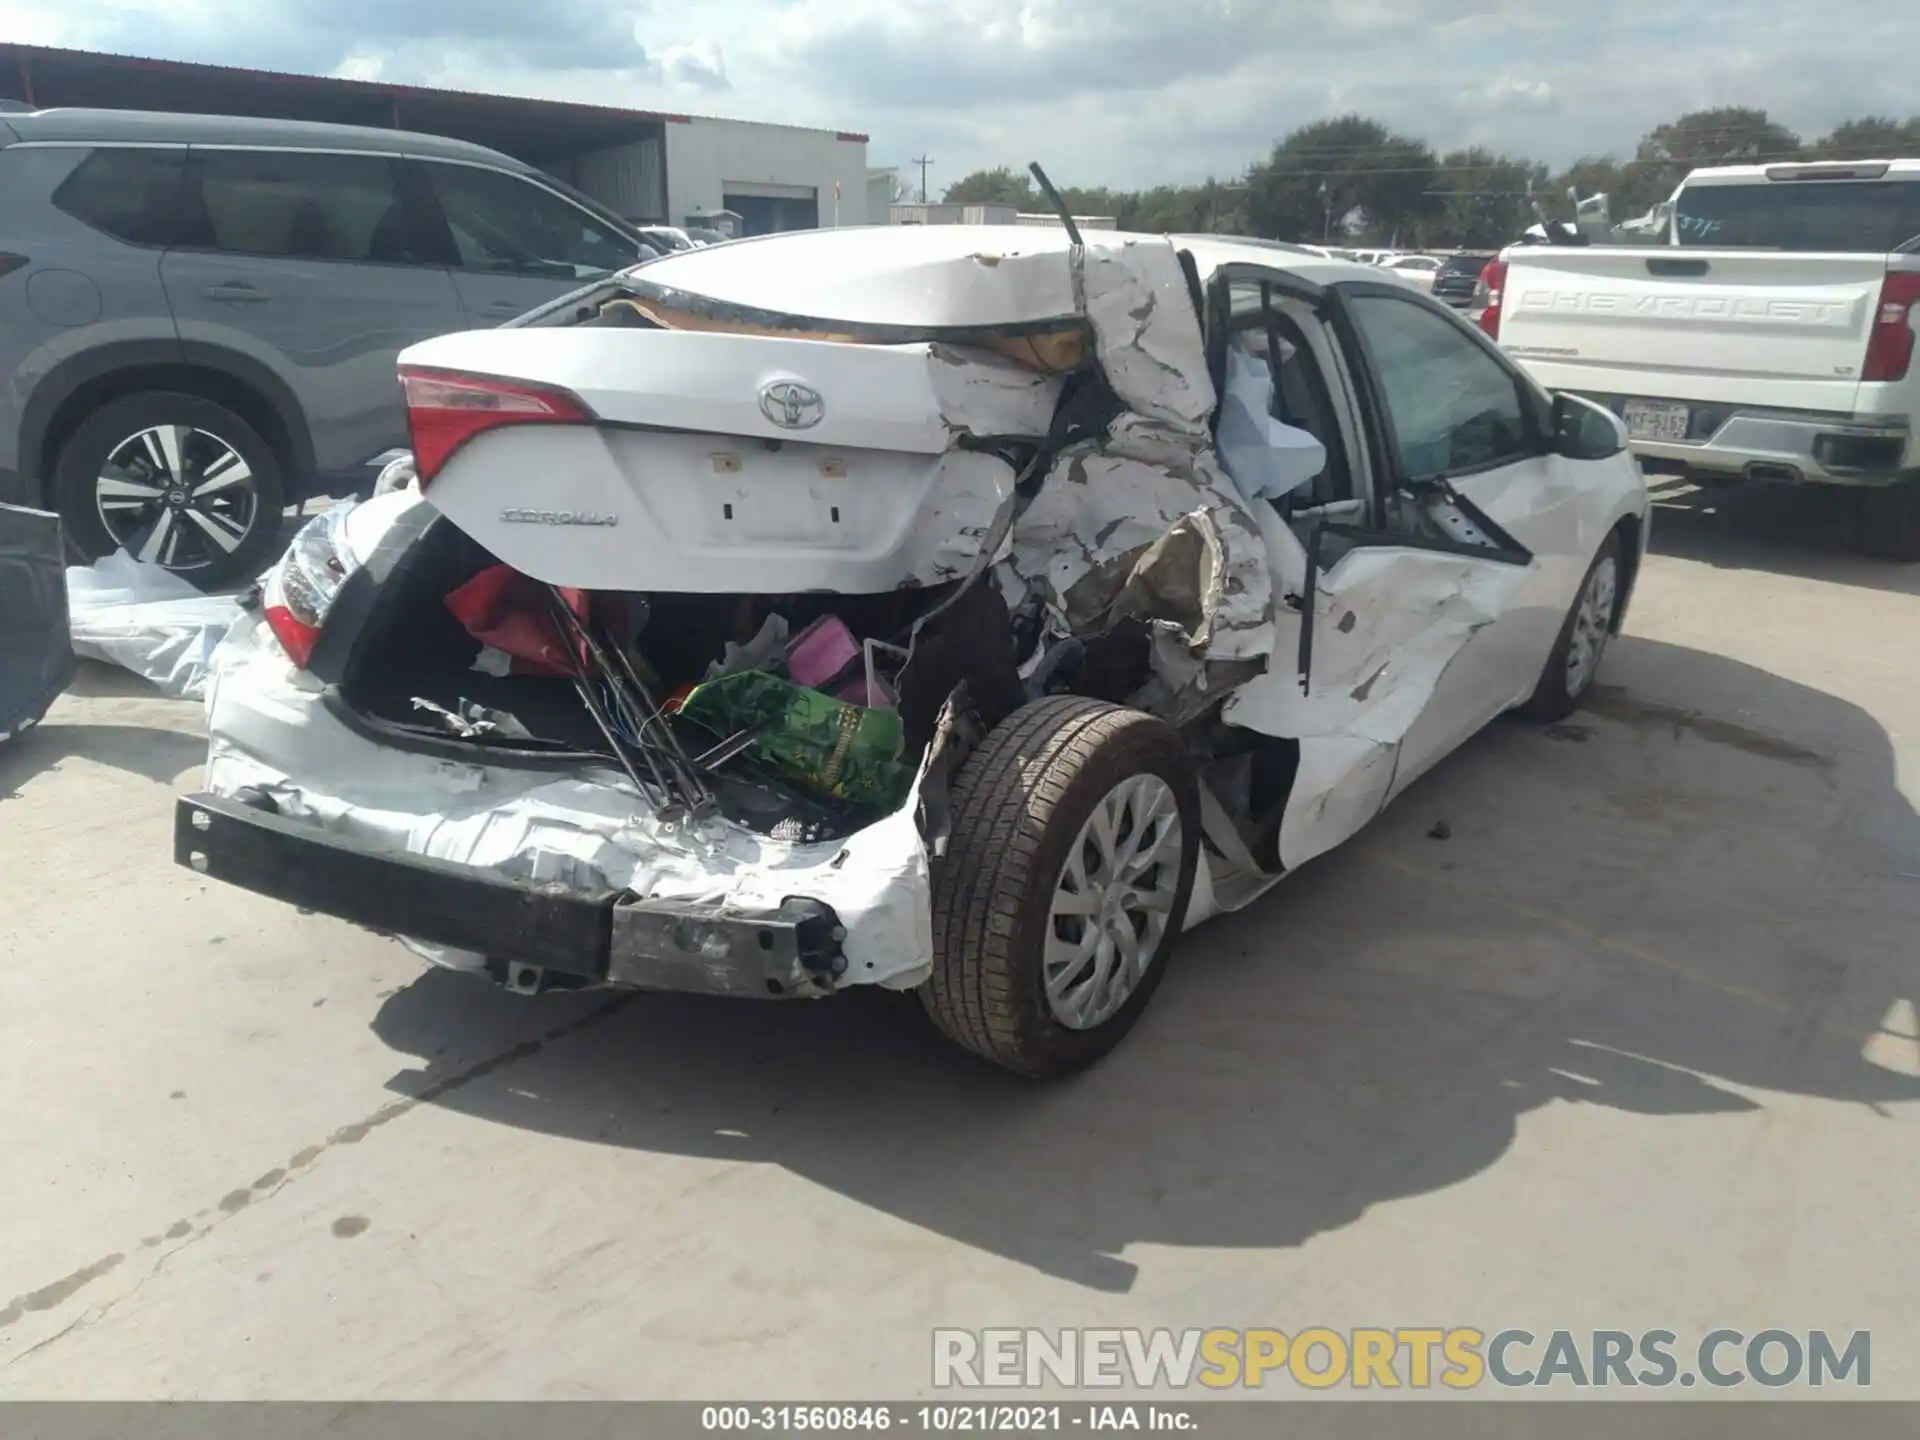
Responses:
[295,637]
[300,590]
[445,411]
[1487,295]
[1890,345]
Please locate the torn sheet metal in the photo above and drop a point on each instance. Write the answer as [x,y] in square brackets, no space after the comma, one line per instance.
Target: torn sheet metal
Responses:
[1387,624]
[588,830]
[1147,333]
[147,620]
[918,277]
[1100,512]
[984,395]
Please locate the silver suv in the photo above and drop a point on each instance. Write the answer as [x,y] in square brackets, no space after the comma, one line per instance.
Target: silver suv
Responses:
[200,313]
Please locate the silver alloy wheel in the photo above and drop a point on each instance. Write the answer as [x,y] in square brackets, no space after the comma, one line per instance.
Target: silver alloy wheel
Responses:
[1592,623]
[176,496]
[1112,902]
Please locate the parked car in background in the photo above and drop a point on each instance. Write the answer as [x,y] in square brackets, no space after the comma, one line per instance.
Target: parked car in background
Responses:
[705,235]
[668,237]
[1417,270]
[852,612]
[1773,339]
[36,654]
[1457,276]
[200,314]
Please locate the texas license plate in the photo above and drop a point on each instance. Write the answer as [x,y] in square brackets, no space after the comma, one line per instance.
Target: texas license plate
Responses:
[1651,420]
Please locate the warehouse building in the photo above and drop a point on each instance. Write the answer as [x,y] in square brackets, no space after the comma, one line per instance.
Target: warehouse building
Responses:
[650,166]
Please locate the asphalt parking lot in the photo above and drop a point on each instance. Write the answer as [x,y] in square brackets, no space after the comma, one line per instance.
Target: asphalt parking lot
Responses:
[1634,1046]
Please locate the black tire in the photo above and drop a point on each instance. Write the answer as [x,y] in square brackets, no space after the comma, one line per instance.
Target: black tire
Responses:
[1019,806]
[200,558]
[1558,695]
[1887,522]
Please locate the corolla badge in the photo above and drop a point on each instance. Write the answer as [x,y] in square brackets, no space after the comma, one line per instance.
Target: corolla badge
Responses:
[558,517]
[791,405]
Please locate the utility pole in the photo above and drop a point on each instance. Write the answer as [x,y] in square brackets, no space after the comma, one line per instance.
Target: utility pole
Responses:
[923,162]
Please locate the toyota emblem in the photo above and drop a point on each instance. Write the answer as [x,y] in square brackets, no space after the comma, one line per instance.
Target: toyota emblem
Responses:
[791,405]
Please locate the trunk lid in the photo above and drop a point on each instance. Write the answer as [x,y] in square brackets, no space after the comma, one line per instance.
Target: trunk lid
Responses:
[1753,328]
[724,463]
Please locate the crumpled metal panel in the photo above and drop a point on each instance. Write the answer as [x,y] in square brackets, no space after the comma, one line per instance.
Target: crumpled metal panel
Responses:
[1147,333]
[1100,512]
[269,729]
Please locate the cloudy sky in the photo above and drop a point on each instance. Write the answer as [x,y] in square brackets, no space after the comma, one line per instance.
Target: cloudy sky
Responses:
[1121,92]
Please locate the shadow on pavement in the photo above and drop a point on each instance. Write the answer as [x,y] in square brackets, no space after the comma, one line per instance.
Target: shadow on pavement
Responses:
[1806,531]
[158,754]
[1653,909]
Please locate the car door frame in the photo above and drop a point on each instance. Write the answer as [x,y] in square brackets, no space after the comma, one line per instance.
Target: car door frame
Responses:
[1509,653]
[429,198]
[325,471]
[1350,742]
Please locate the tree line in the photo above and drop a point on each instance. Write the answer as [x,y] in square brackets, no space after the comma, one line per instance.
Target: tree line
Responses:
[1354,180]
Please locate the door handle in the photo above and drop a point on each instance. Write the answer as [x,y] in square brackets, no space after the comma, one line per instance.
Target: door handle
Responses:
[236,291]
[505,309]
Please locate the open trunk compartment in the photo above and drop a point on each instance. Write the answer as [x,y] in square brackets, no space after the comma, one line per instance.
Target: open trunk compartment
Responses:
[417,678]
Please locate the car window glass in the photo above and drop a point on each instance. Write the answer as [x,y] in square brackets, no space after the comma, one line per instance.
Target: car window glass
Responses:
[1871,217]
[1452,406]
[309,207]
[132,195]
[509,226]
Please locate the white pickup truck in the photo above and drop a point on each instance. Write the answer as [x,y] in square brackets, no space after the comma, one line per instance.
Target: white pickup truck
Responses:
[1770,338]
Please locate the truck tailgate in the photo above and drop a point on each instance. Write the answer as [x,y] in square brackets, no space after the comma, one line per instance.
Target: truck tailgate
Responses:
[1759,328]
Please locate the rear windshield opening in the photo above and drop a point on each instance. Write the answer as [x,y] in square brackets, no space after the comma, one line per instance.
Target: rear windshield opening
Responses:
[1873,217]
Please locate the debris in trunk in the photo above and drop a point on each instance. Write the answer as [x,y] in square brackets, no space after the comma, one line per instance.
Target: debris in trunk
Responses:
[843,750]
[473,721]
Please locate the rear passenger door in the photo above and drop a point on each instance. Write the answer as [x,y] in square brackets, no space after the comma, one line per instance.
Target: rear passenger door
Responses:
[323,267]
[517,244]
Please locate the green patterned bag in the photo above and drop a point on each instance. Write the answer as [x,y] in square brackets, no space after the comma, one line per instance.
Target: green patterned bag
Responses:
[832,746]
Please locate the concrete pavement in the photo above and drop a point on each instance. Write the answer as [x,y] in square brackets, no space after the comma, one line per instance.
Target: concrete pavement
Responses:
[1635,1047]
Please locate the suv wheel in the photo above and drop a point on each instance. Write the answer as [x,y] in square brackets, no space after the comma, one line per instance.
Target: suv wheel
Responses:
[1076,834]
[175,481]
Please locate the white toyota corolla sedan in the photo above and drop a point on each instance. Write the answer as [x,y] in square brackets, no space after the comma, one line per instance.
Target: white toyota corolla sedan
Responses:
[952,609]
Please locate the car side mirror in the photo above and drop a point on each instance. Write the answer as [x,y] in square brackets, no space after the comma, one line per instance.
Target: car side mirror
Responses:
[1584,430]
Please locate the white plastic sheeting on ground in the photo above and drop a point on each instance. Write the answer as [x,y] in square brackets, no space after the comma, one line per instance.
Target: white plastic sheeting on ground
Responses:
[147,620]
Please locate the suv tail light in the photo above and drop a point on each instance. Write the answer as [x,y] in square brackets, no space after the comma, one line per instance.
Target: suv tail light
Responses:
[1890,343]
[300,590]
[445,411]
[1487,295]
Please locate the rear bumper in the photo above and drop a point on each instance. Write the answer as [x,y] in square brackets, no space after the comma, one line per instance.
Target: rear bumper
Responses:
[1794,446]
[591,936]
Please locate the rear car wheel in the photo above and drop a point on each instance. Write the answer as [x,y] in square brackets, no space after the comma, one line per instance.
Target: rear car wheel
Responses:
[1583,638]
[1887,524]
[1076,833]
[175,481]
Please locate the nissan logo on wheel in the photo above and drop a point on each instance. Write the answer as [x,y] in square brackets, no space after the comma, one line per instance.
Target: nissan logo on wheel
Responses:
[791,405]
